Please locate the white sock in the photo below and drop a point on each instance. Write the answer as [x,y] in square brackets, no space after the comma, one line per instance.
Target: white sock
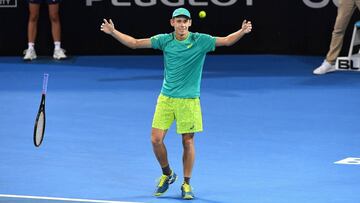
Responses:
[31,45]
[57,45]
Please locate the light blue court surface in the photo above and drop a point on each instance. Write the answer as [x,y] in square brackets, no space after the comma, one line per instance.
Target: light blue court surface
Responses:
[272,131]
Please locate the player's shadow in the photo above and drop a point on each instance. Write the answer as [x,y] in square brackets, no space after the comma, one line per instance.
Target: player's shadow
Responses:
[178,198]
[196,199]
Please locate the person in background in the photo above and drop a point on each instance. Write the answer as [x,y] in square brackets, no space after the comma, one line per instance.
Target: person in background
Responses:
[345,11]
[34,9]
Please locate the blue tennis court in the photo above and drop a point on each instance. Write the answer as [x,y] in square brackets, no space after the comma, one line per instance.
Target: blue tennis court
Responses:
[272,131]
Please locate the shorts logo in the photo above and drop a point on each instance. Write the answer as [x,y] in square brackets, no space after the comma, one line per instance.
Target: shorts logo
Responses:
[8,3]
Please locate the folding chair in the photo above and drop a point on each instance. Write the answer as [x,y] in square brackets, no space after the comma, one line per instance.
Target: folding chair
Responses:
[355,40]
[352,61]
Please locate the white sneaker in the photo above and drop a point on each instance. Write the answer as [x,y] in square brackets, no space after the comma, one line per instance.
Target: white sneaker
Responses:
[30,54]
[59,54]
[325,67]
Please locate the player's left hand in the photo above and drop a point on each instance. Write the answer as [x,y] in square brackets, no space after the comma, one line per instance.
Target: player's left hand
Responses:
[246,26]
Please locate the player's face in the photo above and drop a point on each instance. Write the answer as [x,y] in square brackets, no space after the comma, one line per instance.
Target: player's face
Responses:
[181,26]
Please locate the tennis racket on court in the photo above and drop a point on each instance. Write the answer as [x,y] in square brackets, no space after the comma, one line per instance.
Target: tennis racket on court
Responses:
[39,128]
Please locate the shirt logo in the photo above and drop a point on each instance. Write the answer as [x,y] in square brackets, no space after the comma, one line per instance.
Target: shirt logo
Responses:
[189,46]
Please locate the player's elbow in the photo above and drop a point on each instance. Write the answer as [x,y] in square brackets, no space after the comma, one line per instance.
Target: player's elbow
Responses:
[136,44]
[132,45]
[223,42]
[228,42]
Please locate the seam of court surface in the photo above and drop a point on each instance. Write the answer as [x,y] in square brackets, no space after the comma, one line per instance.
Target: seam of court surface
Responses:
[346,161]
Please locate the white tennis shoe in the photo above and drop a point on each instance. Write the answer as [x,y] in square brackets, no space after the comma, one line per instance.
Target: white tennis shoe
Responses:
[30,54]
[59,54]
[325,67]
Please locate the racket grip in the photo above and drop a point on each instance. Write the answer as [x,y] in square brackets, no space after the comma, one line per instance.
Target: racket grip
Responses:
[45,83]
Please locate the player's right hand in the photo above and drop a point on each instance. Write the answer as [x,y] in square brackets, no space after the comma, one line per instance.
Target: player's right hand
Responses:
[107,27]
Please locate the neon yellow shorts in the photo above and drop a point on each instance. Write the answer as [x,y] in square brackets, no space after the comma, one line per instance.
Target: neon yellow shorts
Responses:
[186,112]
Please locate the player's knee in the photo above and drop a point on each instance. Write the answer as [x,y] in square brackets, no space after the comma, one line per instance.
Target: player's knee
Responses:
[54,18]
[33,17]
[157,136]
[187,143]
[155,140]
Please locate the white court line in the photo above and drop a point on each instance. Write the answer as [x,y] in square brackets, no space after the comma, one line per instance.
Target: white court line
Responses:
[62,199]
[349,160]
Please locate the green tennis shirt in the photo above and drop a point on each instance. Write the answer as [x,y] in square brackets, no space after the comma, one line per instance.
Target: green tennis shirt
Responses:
[183,62]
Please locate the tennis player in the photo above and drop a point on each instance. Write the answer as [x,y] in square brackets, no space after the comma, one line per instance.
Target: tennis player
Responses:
[184,55]
[34,10]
